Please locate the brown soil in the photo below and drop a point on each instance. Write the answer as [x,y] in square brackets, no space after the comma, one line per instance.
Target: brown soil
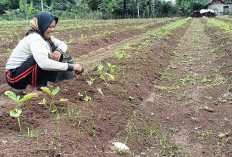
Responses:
[156,105]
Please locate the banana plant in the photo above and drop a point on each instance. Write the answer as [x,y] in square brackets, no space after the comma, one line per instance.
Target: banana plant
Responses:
[16,113]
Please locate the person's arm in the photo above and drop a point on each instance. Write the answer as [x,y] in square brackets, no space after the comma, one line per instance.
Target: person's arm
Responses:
[61,46]
[40,52]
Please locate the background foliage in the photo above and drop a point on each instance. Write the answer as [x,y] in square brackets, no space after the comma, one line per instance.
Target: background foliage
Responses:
[25,9]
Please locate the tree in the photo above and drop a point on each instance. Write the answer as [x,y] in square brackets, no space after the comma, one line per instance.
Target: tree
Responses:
[8,4]
[150,11]
[124,8]
[186,7]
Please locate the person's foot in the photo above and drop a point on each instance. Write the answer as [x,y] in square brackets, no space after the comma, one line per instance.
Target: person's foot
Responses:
[32,89]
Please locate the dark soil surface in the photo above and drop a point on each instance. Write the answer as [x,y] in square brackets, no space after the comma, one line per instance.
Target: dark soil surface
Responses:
[171,96]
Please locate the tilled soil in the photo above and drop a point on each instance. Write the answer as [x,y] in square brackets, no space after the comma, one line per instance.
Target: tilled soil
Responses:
[158,105]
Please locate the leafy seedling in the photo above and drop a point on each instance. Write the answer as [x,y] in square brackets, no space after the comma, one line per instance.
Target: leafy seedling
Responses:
[100,91]
[52,95]
[16,113]
[205,80]
[127,47]
[9,50]
[87,98]
[119,55]
[90,81]
[103,74]
[111,67]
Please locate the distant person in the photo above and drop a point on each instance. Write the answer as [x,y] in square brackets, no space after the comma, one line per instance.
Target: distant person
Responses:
[38,56]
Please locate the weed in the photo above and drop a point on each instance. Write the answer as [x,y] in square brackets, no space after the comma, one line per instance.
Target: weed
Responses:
[111,67]
[105,32]
[17,112]
[186,79]
[130,130]
[57,132]
[150,132]
[206,134]
[103,74]
[182,96]
[127,46]
[165,144]
[9,50]
[119,55]
[205,80]
[87,98]
[100,91]
[73,112]
[31,133]
[90,81]
[93,129]
[121,151]
[4,142]
[84,96]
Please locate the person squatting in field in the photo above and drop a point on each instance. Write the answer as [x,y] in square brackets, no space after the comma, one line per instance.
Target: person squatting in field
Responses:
[38,56]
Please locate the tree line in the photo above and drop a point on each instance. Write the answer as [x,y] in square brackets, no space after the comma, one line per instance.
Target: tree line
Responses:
[25,9]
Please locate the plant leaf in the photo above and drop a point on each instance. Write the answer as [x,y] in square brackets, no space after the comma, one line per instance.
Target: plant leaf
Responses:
[89,82]
[100,67]
[15,113]
[55,91]
[12,95]
[110,76]
[102,77]
[63,99]
[27,97]
[43,102]
[100,91]
[9,50]
[46,90]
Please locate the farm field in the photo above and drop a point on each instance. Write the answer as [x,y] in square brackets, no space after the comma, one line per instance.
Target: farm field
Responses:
[160,86]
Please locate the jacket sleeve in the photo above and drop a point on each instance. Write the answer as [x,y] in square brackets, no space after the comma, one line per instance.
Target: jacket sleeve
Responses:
[40,52]
[60,45]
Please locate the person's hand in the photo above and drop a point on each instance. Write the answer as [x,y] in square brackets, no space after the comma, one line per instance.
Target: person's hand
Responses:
[78,68]
[55,55]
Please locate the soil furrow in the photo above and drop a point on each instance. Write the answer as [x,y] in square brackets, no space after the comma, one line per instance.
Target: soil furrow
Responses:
[187,96]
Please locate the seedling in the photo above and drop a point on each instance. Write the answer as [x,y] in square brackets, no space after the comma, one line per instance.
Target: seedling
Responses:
[87,98]
[127,47]
[43,102]
[119,55]
[9,50]
[100,91]
[149,131]
[52,95]
[84,96]
[205,80]
[90,82]
[16,113]
[4,142]
[111,67]
[30,133]
[103,74]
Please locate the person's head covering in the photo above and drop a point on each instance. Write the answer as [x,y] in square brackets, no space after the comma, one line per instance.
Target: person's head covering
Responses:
[42,21]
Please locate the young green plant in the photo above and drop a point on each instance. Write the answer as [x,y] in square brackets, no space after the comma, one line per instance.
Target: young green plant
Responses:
[52,94]
[16,113]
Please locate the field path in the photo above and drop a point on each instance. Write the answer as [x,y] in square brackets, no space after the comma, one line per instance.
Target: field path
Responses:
[185,104]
